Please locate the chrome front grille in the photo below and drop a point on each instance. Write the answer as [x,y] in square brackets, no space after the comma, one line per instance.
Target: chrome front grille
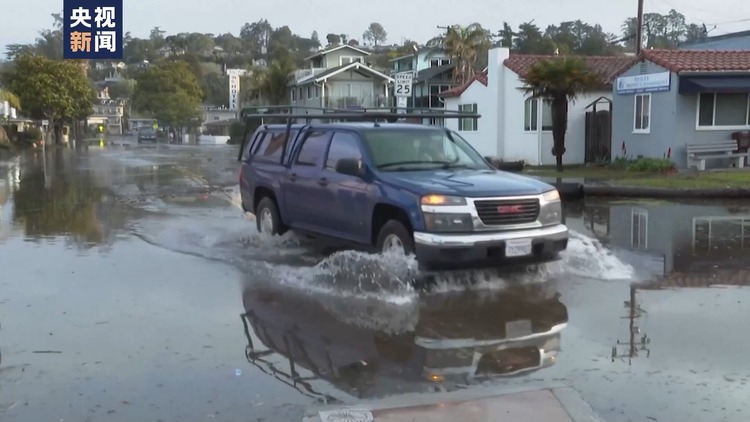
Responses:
[505,212]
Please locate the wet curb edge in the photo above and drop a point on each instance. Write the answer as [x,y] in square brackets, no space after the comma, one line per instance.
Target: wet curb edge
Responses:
[576,408]
[576,191]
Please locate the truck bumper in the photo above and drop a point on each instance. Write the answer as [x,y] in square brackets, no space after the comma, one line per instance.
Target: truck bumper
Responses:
[486,250]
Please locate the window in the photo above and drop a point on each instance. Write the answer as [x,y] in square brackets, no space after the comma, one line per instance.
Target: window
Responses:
[309,92]
[434,63]
[270,147]
[294,94]
[467,124]
[639,228]
[343,145]
[313,148]
[349,59]
[531,115]
[423,149]
[317,91]
[642,115]
[723,110]
[435,100]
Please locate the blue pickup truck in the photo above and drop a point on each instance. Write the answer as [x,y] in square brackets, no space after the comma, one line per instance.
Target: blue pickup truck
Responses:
[398,187]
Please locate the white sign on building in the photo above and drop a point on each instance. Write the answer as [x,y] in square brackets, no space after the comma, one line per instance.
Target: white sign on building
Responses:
[653,82]
[234,87]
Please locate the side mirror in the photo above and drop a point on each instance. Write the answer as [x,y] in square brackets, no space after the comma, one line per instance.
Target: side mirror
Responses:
[350,166]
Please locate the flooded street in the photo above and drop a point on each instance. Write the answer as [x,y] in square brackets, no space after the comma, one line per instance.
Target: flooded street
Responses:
[132,287]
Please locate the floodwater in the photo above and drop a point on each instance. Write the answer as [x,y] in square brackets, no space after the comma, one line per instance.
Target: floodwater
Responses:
[133,288]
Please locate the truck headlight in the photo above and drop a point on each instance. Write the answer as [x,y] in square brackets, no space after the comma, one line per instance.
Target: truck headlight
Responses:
[550,211]
[438,200]
[444,222]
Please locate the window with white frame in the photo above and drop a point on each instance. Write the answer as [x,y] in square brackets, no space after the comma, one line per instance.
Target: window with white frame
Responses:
[467,124]
[349,59]
[639,228]
[642,114]
[723,110]
[531,115]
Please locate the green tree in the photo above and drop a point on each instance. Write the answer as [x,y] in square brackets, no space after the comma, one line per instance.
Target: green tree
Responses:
[375,34]
[170,93]
[270,86]
[464,45]
[560,81]
[50,89]
[530,40]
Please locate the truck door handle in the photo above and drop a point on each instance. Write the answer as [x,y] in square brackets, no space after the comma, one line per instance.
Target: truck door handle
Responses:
[323,181]
[293,177]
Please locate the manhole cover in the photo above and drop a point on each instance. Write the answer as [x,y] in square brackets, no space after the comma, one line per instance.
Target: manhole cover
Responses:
[346,415]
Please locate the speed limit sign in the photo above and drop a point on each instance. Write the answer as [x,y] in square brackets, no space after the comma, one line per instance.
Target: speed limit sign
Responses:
[403,84]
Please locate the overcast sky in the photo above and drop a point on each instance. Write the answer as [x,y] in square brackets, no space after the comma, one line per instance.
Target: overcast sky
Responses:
[414,19]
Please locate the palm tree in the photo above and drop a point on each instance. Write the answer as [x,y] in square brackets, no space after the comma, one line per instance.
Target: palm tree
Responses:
[560,81]
[463,45]
[274,83]
[11,98]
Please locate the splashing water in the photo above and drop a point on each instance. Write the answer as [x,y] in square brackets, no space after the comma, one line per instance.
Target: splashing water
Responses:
[587,257]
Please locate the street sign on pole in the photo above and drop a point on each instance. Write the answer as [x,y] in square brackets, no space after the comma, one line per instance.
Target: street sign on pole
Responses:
[403,84]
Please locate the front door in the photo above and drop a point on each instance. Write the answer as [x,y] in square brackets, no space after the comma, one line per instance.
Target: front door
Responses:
[304,191]
[347,195]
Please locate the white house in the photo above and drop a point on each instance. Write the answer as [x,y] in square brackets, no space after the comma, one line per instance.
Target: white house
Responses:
[512,126]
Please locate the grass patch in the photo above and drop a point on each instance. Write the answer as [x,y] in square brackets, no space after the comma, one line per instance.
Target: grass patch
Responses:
[705,180]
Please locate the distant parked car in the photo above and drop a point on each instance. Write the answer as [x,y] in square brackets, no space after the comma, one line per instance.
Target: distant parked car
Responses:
[146,134]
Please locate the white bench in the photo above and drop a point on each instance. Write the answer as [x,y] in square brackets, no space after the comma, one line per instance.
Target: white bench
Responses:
[697,154]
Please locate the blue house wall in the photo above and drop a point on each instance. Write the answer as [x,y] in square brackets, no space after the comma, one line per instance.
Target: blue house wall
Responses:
[673,122]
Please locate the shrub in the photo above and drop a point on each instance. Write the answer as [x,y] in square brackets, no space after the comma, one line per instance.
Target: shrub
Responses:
[651,165]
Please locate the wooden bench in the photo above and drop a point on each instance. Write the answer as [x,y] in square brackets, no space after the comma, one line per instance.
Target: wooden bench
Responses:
[697,154]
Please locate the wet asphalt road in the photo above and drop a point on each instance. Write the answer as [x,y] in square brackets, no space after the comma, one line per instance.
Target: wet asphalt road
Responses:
[133,288]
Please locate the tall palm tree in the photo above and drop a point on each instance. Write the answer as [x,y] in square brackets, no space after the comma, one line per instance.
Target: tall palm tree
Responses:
[11,98]
[559,80]
[463,45]
[274,83]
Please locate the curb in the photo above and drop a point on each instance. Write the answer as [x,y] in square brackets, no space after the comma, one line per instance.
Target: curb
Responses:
[644,192]
[571,402]
[571,191]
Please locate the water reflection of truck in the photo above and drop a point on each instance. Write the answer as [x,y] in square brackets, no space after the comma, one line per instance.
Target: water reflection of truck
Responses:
[370,349]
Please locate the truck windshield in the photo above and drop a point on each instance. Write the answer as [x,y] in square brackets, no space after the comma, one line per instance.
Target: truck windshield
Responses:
[412,149]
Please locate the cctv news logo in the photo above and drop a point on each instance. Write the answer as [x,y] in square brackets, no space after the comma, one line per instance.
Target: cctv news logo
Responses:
[92,29]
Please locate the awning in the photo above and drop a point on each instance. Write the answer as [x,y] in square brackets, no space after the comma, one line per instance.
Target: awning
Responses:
[697,84]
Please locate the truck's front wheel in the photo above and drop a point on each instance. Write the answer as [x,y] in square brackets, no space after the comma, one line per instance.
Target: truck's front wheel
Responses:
[394,237]
[267,218]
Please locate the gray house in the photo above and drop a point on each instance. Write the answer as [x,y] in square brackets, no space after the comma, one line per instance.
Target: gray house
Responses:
[733,41]
[666,99]
[340,77]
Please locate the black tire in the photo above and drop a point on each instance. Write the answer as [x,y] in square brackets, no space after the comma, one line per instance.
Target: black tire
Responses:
[398,229]
[269,205]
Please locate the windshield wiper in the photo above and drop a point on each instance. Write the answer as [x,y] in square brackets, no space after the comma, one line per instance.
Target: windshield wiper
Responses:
[406,163]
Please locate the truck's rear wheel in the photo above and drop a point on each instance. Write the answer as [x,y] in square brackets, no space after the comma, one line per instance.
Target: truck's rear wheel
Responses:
[267,218]
[394,237]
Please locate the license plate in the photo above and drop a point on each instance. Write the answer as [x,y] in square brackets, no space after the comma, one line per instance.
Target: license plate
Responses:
[517,247]
[516,329]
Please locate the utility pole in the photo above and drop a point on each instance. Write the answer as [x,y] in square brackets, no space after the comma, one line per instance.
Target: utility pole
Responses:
[639,28]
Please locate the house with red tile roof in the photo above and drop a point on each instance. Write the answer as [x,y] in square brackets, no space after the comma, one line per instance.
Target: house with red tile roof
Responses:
[666,99]
[515,127]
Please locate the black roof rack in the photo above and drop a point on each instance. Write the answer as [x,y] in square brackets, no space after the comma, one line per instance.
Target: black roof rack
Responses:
[360,114]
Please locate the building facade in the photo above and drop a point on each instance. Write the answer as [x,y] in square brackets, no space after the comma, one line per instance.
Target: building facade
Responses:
[340,77]
[515,127]
[666,99]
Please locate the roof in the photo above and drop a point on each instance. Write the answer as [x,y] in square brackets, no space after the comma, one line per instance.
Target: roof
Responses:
[331,50]
[358,125]
[605,66]
[431,72]
[338,69]
[732,41]
[709,61]
[481,77]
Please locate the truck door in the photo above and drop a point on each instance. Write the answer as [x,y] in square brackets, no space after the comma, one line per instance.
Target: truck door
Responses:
[303,188]
[347,196]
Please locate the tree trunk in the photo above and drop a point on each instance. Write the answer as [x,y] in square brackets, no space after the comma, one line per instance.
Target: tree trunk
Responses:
[58,133]
[559,127]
